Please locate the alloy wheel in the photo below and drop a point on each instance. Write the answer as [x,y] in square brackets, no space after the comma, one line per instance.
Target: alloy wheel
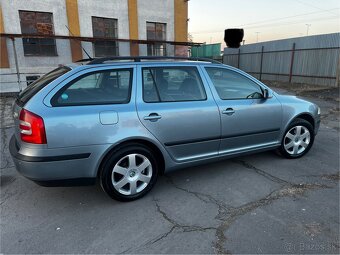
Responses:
[297,140]
[131,174]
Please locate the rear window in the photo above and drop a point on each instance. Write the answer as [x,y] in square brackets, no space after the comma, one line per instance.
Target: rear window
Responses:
[95,88]
[36,86]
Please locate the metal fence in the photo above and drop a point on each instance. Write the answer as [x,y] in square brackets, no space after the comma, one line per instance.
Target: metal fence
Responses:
[311,60]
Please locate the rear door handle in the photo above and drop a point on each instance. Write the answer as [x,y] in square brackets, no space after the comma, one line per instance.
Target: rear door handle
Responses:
[228,111]
[153,117]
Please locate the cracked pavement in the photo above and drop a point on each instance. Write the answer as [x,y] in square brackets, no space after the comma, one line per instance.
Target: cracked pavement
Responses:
[259,203]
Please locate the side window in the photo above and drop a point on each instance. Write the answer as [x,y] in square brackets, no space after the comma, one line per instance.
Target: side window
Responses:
[172,84]
[102,87]
[232,85]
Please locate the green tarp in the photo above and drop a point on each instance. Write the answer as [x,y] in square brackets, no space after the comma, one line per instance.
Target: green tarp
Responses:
[206,50]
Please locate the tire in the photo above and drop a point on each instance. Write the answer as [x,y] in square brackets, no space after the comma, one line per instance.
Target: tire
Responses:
[136,166]
[297,139]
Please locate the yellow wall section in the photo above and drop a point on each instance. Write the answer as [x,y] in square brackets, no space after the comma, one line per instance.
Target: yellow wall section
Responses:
[73,24]
[133,26]
[4,62]
[181,17]
[181,26]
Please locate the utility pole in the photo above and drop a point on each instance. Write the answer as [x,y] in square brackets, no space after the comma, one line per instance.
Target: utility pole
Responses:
[257,36]
[308,25]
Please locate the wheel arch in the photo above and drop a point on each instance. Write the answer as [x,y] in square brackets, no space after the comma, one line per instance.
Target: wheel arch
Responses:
[305,116]
[142,141]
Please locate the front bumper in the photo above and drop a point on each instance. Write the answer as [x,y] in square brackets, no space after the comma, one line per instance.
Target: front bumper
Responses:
[59,170]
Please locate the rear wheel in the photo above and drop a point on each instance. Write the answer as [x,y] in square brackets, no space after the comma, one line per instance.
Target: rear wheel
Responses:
[298,139]
[129,172]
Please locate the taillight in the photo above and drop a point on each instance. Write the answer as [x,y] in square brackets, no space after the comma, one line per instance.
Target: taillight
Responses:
[32,128]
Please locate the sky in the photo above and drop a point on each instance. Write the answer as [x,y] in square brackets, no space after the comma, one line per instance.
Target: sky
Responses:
[262,20]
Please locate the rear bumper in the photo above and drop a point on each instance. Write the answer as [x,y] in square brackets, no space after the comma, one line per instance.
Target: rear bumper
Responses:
[59,170]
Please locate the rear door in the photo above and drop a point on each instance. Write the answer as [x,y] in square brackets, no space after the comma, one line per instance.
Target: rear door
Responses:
[90,107]
[177,107]
[248,120]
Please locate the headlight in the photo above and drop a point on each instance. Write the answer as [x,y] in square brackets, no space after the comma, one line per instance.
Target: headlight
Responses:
[319,110]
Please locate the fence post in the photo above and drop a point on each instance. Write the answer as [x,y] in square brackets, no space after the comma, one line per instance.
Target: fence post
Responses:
[238,58]
[337,81]
[261,63]
[291,64]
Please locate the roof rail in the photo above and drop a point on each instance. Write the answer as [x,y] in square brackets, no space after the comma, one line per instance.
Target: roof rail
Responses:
[141,58]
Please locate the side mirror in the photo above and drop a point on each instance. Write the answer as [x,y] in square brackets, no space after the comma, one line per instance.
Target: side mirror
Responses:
[266,93]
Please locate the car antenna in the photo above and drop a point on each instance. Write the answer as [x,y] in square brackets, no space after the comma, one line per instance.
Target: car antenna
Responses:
[79,43]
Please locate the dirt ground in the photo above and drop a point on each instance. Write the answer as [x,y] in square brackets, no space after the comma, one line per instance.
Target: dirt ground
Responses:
[307,90]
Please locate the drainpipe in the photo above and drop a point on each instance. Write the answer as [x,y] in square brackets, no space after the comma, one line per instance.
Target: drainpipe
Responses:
[16,64]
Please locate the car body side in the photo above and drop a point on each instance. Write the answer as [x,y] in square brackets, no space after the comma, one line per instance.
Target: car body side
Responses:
[78,141]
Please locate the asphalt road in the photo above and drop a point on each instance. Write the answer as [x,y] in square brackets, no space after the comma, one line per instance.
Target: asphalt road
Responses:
[260,203]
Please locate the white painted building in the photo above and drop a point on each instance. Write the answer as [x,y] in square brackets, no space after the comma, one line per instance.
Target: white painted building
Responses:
[164,20]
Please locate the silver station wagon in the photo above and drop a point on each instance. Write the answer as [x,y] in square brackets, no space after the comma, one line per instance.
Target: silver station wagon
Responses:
[124,121]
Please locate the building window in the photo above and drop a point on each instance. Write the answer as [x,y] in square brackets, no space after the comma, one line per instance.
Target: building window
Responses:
[105,28]
[31,79]
[157,32]
[40,23]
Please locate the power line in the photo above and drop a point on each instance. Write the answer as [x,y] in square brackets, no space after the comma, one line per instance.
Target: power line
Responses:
[269,20]
[289,23]
[288,17]
[272,25]
[316,7]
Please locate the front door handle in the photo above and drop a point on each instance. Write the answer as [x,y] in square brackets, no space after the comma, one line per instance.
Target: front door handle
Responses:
[228,111]
[153,117]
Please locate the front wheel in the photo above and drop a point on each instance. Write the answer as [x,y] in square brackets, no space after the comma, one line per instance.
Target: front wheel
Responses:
[297,140]
[129,173]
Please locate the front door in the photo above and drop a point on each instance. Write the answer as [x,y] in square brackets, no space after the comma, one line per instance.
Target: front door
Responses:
[177,107]
[249,121]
